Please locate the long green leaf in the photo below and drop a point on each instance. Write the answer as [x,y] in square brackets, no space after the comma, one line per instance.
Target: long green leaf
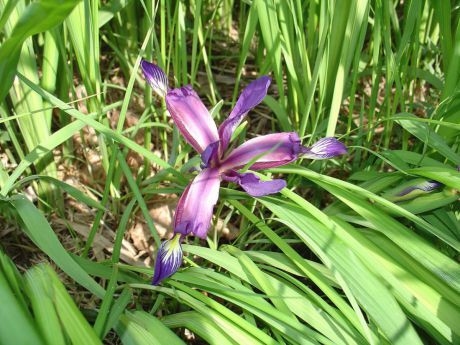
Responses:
[39,231]
[39,16]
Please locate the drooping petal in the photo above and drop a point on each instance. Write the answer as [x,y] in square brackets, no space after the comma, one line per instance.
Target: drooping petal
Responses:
[253,185]
[210,155]
[169,259]
[412,190]
[194,210]
[191,117]
[156,78]
[251,96]
[324,148]
[267,151]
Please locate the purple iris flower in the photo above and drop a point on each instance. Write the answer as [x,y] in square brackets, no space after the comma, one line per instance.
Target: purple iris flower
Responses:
[219,163]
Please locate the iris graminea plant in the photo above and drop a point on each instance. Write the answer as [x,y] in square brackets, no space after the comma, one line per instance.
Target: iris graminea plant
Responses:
[219,163]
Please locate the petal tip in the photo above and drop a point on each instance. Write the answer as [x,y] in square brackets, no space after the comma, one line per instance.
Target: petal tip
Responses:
[423,187]
[169,259]
[266,79]
[325,148]
[249,98]
[156,77]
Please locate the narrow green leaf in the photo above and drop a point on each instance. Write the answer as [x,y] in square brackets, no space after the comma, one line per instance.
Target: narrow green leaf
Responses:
[39,16]
[39,231]
[16,326]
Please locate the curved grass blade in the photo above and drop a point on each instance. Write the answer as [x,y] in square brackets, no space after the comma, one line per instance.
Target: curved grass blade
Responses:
[40,232]
[373,297]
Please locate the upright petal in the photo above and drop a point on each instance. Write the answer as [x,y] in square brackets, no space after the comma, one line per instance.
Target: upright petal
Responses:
[155,76]
[169,259]
[194,210]
[253,185]
[251,96]
[324,148]
[267,151]
[191,117]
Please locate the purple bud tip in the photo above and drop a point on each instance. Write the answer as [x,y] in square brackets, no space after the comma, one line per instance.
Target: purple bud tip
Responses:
[325,148]
[156,78]
[169,259]
[426,187]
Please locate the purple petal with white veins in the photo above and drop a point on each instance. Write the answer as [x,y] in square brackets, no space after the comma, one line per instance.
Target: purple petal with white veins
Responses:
[156,78]
[253,185]
[191,117]
[268,151]
[169,259]
[324,148]
[251,96]
[194,209]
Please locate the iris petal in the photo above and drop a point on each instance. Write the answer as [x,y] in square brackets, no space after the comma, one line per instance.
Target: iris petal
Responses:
[169,259]
[194,210]
[324,148]
[191,117]
[156,78]
[267,151]
[253,185]
[251,96]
